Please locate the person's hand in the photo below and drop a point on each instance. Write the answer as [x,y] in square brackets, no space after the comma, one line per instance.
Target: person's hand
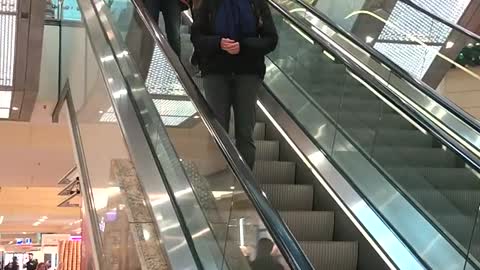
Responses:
[230,46]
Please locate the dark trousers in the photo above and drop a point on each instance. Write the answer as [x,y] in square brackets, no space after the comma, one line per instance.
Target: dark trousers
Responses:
[240,92]
[171,12]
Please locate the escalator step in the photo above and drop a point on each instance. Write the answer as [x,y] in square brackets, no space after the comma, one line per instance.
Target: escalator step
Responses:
[352,104]
[371,120]
[275,172]
[310,225]
[258,131]
[452,178]
[414,157]
[441,178]
[331,91]
[465,200]
[290,197]
[390,137]
[331,255]
[460,227]
[267,150]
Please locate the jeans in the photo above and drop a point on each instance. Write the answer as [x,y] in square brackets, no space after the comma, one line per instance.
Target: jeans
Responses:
[240,92]
[171,12]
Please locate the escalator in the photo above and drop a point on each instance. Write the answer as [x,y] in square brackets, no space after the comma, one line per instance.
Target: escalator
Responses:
[361,174]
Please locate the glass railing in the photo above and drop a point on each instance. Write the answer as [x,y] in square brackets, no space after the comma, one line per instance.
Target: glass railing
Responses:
[422,186]
[420,44]
[342,25]
[443,113]
[201,174]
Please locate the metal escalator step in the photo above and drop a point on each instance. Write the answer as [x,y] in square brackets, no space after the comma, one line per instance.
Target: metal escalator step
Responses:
[258,131]
[452,178]
[460,227]
[465,200]
[390,137]
[267,150]
[353,104]
[371,120]
[275,172]
[433,201]
[354,91]
[440,178]
[289,197]
[310,225]
[331,255]
[414,157]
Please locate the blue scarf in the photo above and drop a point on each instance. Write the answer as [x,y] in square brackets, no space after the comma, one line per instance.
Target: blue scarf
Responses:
[235,20]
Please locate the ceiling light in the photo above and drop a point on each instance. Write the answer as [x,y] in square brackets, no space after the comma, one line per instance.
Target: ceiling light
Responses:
[44,217]
[8,29]
[5,99]
[470,45]
[11,242]
[449,44]
[369,39]
[15,108]
[1,219]
[36,224]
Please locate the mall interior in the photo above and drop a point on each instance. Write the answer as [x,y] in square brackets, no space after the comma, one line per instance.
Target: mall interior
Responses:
[367,141]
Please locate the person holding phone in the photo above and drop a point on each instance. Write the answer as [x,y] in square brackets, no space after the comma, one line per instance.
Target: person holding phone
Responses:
[231,38]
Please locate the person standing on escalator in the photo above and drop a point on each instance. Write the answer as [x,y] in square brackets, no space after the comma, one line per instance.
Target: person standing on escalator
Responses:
[171,11]
[231,38]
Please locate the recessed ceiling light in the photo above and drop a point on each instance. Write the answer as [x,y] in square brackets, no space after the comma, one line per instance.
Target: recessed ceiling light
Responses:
[1,219]
[36,224]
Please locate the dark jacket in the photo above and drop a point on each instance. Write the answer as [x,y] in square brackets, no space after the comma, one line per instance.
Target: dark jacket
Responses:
[250,60]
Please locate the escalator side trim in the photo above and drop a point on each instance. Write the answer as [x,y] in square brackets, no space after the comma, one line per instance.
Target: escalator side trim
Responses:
[139,149]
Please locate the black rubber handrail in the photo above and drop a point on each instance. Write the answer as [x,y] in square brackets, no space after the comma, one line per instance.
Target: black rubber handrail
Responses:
[278,230]
[455,26]
[399,71]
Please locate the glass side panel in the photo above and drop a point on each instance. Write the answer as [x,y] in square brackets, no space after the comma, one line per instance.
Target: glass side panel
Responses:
[420,187]
[232,219]
[101,147]
[428,49]
[442,115]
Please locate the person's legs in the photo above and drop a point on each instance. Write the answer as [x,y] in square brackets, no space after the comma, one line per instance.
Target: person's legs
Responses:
[153,7]
[172,15]
[218,96]
[244,100]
